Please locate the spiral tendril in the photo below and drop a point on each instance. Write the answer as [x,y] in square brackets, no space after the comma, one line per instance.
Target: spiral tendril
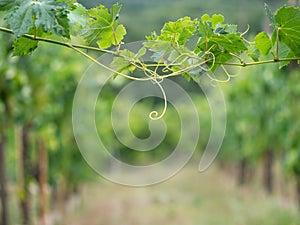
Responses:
[154,115]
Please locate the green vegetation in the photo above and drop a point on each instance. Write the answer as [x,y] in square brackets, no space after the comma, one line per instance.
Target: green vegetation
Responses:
[39,73]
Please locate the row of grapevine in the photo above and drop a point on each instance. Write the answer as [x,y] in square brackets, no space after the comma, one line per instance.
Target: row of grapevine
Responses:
[263,124]
[35,105]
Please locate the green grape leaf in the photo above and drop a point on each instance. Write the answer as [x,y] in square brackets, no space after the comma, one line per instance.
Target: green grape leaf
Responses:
[205,30]
[103,26]
[230,28]
[217,19]
[24,46]
[179,31]
[284,52]
[122,63]
[229,42]
[160,49]
[52,16]
[78,16]
[263,43]
[115,10]
[270,15]
[220,57]
[205,18]
[109,37]
[20,20]
[288,20]
[47,14]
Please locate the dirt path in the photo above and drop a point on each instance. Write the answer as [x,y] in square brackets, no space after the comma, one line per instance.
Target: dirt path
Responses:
[189,198]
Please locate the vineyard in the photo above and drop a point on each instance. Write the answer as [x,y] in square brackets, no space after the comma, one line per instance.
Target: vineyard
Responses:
[249,129]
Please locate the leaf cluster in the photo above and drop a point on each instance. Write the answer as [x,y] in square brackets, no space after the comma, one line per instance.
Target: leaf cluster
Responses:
[218,44]
[284,42]
[61,19]
[188,47]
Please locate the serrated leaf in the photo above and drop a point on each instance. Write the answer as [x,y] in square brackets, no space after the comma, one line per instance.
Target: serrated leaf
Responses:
[122,64]
[220,57]
[115,10]
[205,18]
[263,43]
[284,52]
[216,19]
[103,26]
[160,49]
[52,16]
[20,20]
[78,16]
[288,20]
[231,28]
[179,31]
[205,30]
[47,14]
[111,37]
[229,42]
[270,15]
[24,46]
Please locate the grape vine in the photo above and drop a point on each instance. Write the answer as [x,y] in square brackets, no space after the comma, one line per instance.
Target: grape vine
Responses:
[187,47]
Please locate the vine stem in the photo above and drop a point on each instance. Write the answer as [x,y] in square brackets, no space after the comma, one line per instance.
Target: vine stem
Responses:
[259,62]
[32,37]
[106,67]
[76,47]
[277,42]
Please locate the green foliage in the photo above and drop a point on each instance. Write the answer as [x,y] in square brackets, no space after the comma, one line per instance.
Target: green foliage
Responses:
[270,15]
[123,64]
[285,39]
[287,20]
[49,15]
[263,43]
[103,26]
[173,50]
[25,46]
[177,32]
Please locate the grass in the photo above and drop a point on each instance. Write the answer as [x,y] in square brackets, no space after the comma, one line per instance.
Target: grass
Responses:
[209,198]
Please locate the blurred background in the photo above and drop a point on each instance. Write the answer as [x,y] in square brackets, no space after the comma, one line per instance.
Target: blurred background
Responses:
[254,180]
